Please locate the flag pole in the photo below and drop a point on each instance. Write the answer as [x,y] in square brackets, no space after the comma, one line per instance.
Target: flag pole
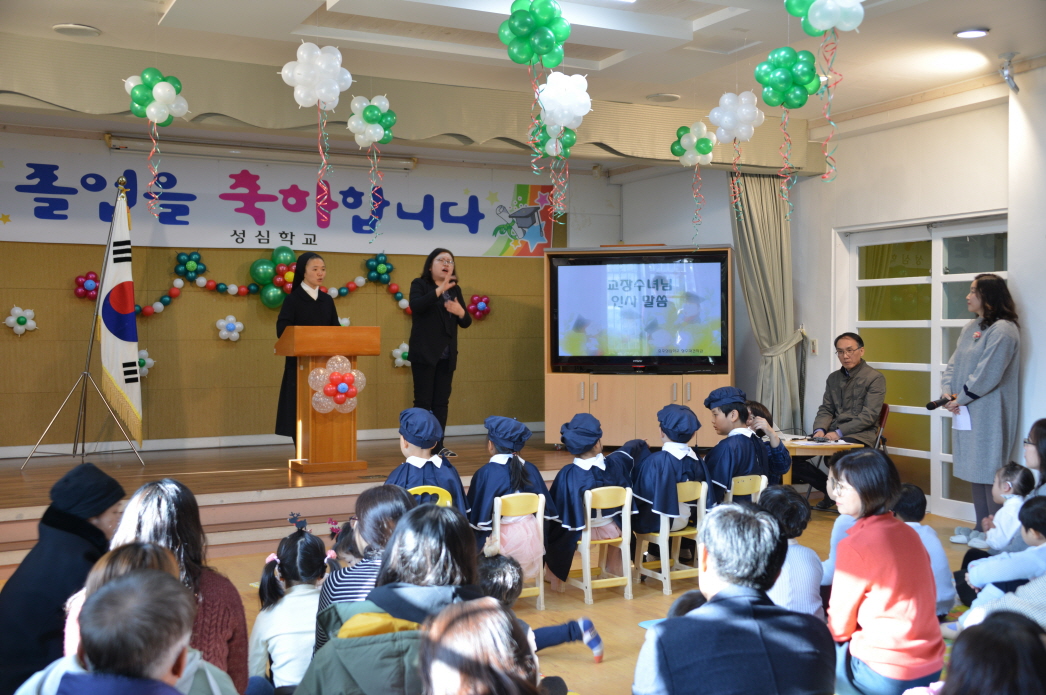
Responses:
[80,438]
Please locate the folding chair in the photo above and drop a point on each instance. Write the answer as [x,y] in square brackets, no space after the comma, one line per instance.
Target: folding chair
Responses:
[746,485]
[522,504]
[609,497]
[880,440]
[443,498]
[671,567]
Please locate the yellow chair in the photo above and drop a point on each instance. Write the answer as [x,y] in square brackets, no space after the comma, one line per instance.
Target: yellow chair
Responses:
[692,493]
[605,498]
[746,485]
[522,504]
[443,496]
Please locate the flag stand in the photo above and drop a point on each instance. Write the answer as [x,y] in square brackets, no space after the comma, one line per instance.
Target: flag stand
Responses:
[80,438]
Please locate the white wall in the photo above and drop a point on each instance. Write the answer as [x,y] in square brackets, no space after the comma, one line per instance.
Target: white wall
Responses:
[593,211]
[660,211]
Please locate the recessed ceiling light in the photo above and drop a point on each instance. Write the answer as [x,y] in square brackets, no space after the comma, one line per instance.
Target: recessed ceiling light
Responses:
[972,33]
[81,30]
[662,98]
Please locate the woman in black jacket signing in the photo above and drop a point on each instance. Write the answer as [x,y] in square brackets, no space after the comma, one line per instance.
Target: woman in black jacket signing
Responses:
[437,310]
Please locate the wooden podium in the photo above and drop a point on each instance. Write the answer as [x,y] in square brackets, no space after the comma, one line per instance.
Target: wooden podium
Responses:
[326,441]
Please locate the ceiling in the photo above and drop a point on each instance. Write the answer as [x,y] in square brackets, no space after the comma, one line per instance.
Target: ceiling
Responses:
[696,49]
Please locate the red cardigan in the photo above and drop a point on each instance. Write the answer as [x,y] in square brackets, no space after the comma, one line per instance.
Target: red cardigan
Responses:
[220,628]
[884,599]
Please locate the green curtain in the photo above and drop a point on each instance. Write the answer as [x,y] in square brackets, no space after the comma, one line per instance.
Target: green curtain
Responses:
[763,243]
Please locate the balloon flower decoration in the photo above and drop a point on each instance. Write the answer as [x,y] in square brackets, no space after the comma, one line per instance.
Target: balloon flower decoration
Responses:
[159,100]
[479,306]
[401,356]
[693,146]
[737,117]
[318,80]
[564,102]
[371,123]
[336,385]
[379,269]
[535,32]
[87,286]
[145,363]
[229,328]
[21,320]
[273,276]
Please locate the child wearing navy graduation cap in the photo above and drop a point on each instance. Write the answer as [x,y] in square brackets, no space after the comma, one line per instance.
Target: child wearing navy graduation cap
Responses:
[507,473]
[581,437]
[419,432]
[740,452]
[623,461]
[654,480]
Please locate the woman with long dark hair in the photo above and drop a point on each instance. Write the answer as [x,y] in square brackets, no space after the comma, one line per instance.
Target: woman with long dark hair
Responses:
[437,309]
[983,375]
[304,306]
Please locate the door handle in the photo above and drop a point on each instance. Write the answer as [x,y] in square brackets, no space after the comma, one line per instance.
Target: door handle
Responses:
[595,390]
[688,392]
[675,392]
[582,384]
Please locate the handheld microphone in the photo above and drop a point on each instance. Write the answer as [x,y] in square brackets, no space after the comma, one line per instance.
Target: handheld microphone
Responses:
[934,405]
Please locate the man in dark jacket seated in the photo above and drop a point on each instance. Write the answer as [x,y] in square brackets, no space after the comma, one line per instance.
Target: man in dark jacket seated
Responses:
[750,645]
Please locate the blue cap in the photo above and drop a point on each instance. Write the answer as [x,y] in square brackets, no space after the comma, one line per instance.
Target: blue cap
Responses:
[506,432]
[678,422]
[725,395]
[581,433]
[420,427]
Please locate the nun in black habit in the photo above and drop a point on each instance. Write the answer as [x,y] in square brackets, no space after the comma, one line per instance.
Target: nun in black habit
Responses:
[306,305]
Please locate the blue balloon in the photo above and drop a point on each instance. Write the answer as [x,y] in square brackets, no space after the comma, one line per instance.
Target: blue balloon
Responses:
[90,285]
[231,327]
[343,388]
[481,306]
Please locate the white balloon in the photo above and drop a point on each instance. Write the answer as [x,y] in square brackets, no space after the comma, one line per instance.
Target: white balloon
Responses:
[332,51]
[847,3]
[704,159]
[287,73]
[759,118]
[131,82]
[230,319]
[745,131]
[307,52]
[360,281]
[553,148]
[363,142]
[164,93]
[850,17]
[201,281]
[356,124]
[554,131]
[19,330]
[689,158]
[143,371]
[29,314]
[234,336]
[149,362]
[579,83]
[142,354]
[30,325]
[239,326]
[232,289]
[327,65]
[158,307]
[723,135]
[344,79]
[699,129]
[358,104]
[399,362]
[327,90]
[332,291]
[688,141]
[374,132]
[382,102]
[574,123]
[403,304]
[712,136]
[746,113]
[179,283]
[728,102]
[715,114]
[179,107]
[396,352]
[157,112]
[305,96]
[11,321]
[17,311]
[823,15]
[223,334]
[329,105]
[220,324]
[746,99]
[304,74]
[728,121]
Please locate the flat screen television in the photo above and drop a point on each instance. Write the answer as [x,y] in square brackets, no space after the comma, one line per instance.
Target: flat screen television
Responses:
[653,312]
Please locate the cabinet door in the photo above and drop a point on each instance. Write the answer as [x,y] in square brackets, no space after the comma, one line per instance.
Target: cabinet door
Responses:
[654,392]
[566,395]
[696,388]
[613,402]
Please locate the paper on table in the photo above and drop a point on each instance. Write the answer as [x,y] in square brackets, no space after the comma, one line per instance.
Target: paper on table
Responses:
[962,420]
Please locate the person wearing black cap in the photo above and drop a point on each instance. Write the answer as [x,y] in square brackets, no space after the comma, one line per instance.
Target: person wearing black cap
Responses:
[419,432]
[740,452]
[304,306]
[582,437]
[74,532]
[655,478]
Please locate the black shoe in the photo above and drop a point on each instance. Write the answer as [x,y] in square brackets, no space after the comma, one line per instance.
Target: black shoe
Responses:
[825,505]
[447,453]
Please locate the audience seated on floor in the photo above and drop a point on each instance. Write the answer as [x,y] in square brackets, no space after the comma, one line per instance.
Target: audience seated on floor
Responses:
[910,508]
[798,588]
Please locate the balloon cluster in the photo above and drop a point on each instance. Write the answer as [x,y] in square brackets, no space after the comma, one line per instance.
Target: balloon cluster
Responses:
[400,356]
[155,97]
[273,276]
[21,320]
[164,301]
[87,286]
[145,363]
[317,76]
[379,269]
[479,306]
[564,102]
[336,385]
[535,31]
[371,120]
[189,266]
[820,16]
[737,117]
[229,328]
[693,145]
[788,77]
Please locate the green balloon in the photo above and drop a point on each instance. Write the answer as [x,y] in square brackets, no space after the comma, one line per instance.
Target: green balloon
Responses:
[564,153]
[518,5]
[785,57]
[371,113]
[703,146]
[382,268]
[142,94]
[191,265]
[398,296]
[813,86]
[174,82]
[568,138]
[141,362]
[21,320]
[372,276]
[762,72]
[542,40]
[803,73]
[221,287]
[388,119]
[151,77]
[505,34]
[772,97]
[543,138]
[545,11]
[806,57]
[271,296]
[384,278]
[284,255]
[554,57]
[166,122]
[560,29]
[781,79]
[519,51]
[810,29]
[387,137]
[521,23]
[372,263]
[798,8]
[405,356]
[796,97]
[253,288]
[681,131]
[137,109]
[263,271]
[677,149]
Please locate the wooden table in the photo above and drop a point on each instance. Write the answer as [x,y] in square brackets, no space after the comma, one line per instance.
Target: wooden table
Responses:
[805,447]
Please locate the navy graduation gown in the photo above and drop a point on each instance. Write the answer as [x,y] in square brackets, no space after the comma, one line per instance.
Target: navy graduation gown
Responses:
[732,457]
[407,475]
[655,488]
[627,457]
[779,462]
[493,480]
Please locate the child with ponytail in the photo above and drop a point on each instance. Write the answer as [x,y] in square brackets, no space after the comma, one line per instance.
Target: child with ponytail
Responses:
[507,473]
[284,631]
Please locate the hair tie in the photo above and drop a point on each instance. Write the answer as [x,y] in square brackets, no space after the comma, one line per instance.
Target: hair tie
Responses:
[335,527]
[272,558]
[296,519]
[331,555]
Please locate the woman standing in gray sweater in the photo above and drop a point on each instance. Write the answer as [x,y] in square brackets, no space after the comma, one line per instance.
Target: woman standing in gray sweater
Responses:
[983,375]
